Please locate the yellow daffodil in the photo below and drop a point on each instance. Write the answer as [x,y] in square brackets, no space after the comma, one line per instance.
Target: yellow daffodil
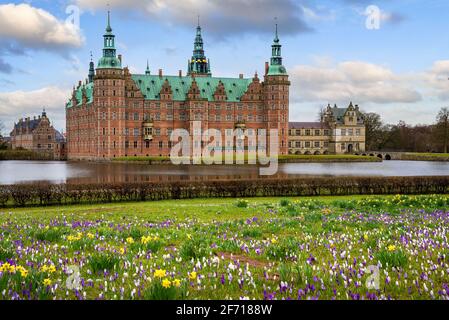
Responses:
[122,250]
[391,248]
[90,236]
[192,275]
[189,236]
[44,268]
[166,283]
[52,269]
[365,236]
[23,271]
[160,273]
[273,240]
[177,283]
[47,282]
[130,240]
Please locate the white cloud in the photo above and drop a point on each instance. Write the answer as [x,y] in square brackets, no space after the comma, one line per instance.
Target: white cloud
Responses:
[36,28]
[436,80]
[17,104]
[351,81]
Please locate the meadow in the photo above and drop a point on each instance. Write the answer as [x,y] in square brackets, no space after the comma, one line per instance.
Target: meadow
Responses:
[257,248]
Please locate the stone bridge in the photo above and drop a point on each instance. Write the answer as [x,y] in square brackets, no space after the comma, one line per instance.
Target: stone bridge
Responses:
[384,155]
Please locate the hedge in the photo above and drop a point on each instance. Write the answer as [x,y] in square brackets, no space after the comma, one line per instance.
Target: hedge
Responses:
[57,194]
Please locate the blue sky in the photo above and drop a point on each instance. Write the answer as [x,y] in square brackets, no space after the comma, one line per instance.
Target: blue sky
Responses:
[399,71]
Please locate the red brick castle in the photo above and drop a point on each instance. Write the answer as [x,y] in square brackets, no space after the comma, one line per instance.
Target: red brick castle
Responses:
[118,114]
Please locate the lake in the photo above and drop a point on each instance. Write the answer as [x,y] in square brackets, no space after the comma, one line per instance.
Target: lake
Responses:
[13,172]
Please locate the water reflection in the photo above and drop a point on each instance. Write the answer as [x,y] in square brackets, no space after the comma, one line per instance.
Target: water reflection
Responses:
[12,172]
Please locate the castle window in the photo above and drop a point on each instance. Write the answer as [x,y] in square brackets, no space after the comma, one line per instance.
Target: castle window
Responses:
[317,132]
[136,132]
[326,132]
[326,144]
[351,132]
[161,144]
[307,132]
[357,132]
[298,144]
[135,144]
[343,132]
[307,144]
[136,116]
[317,144]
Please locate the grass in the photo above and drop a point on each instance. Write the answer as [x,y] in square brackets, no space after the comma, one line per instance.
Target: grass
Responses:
[426,156]
[215,249]
[281,158]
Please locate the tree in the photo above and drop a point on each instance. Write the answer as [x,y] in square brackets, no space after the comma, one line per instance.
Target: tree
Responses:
[442,128]
[2,142]
[375,131]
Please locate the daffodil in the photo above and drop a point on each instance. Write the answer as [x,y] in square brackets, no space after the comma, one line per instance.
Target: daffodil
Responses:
[90,235]
[391,248]
[47,282]
[130,240]
[192,275]
[52,269]
[365,236]
[160,273]
[122,251]
[44,268]
[177,283]
[166,283]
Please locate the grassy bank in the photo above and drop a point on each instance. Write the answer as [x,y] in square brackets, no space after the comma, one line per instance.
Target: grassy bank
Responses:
[425,156]
[264,248]
[21,155]
[281,159]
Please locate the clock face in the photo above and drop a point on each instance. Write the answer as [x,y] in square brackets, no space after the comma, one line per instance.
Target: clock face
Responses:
[282,69]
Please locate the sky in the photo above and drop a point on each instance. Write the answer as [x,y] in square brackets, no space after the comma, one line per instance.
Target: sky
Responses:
[388,56]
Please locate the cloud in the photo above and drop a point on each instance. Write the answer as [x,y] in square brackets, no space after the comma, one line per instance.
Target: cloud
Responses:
[222,18]
[16,104]
[356,81]
[24,28]
[436,79]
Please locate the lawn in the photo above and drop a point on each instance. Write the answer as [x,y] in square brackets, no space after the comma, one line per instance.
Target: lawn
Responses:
[262,248]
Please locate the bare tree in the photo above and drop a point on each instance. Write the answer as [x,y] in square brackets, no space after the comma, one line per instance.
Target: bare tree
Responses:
[442,128]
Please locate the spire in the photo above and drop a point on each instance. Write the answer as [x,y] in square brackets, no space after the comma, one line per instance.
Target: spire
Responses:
[109,59]
[276,67]
[148,72]
[199,64]
[108,28]
[91,69]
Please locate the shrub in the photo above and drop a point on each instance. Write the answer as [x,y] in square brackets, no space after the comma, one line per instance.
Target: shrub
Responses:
[193,249]
[157,292]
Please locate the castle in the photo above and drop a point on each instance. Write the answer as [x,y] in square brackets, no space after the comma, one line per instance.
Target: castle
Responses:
[38,135]
[118,114]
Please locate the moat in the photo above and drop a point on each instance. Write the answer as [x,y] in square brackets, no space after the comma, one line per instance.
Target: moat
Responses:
[13,172]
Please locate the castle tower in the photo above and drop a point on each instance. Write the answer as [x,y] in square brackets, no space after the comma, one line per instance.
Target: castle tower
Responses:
[276,87]
[109,97]
[91,69]
[199,65]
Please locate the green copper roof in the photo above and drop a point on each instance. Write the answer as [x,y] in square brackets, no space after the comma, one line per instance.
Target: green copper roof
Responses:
[151,86]
[275,70]
[109,63]
[88,88]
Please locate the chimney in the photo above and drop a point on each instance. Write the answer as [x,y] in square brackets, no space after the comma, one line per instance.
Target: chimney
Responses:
[241,76]
[160,73]
[180,73]
[267,67]
[120,58]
